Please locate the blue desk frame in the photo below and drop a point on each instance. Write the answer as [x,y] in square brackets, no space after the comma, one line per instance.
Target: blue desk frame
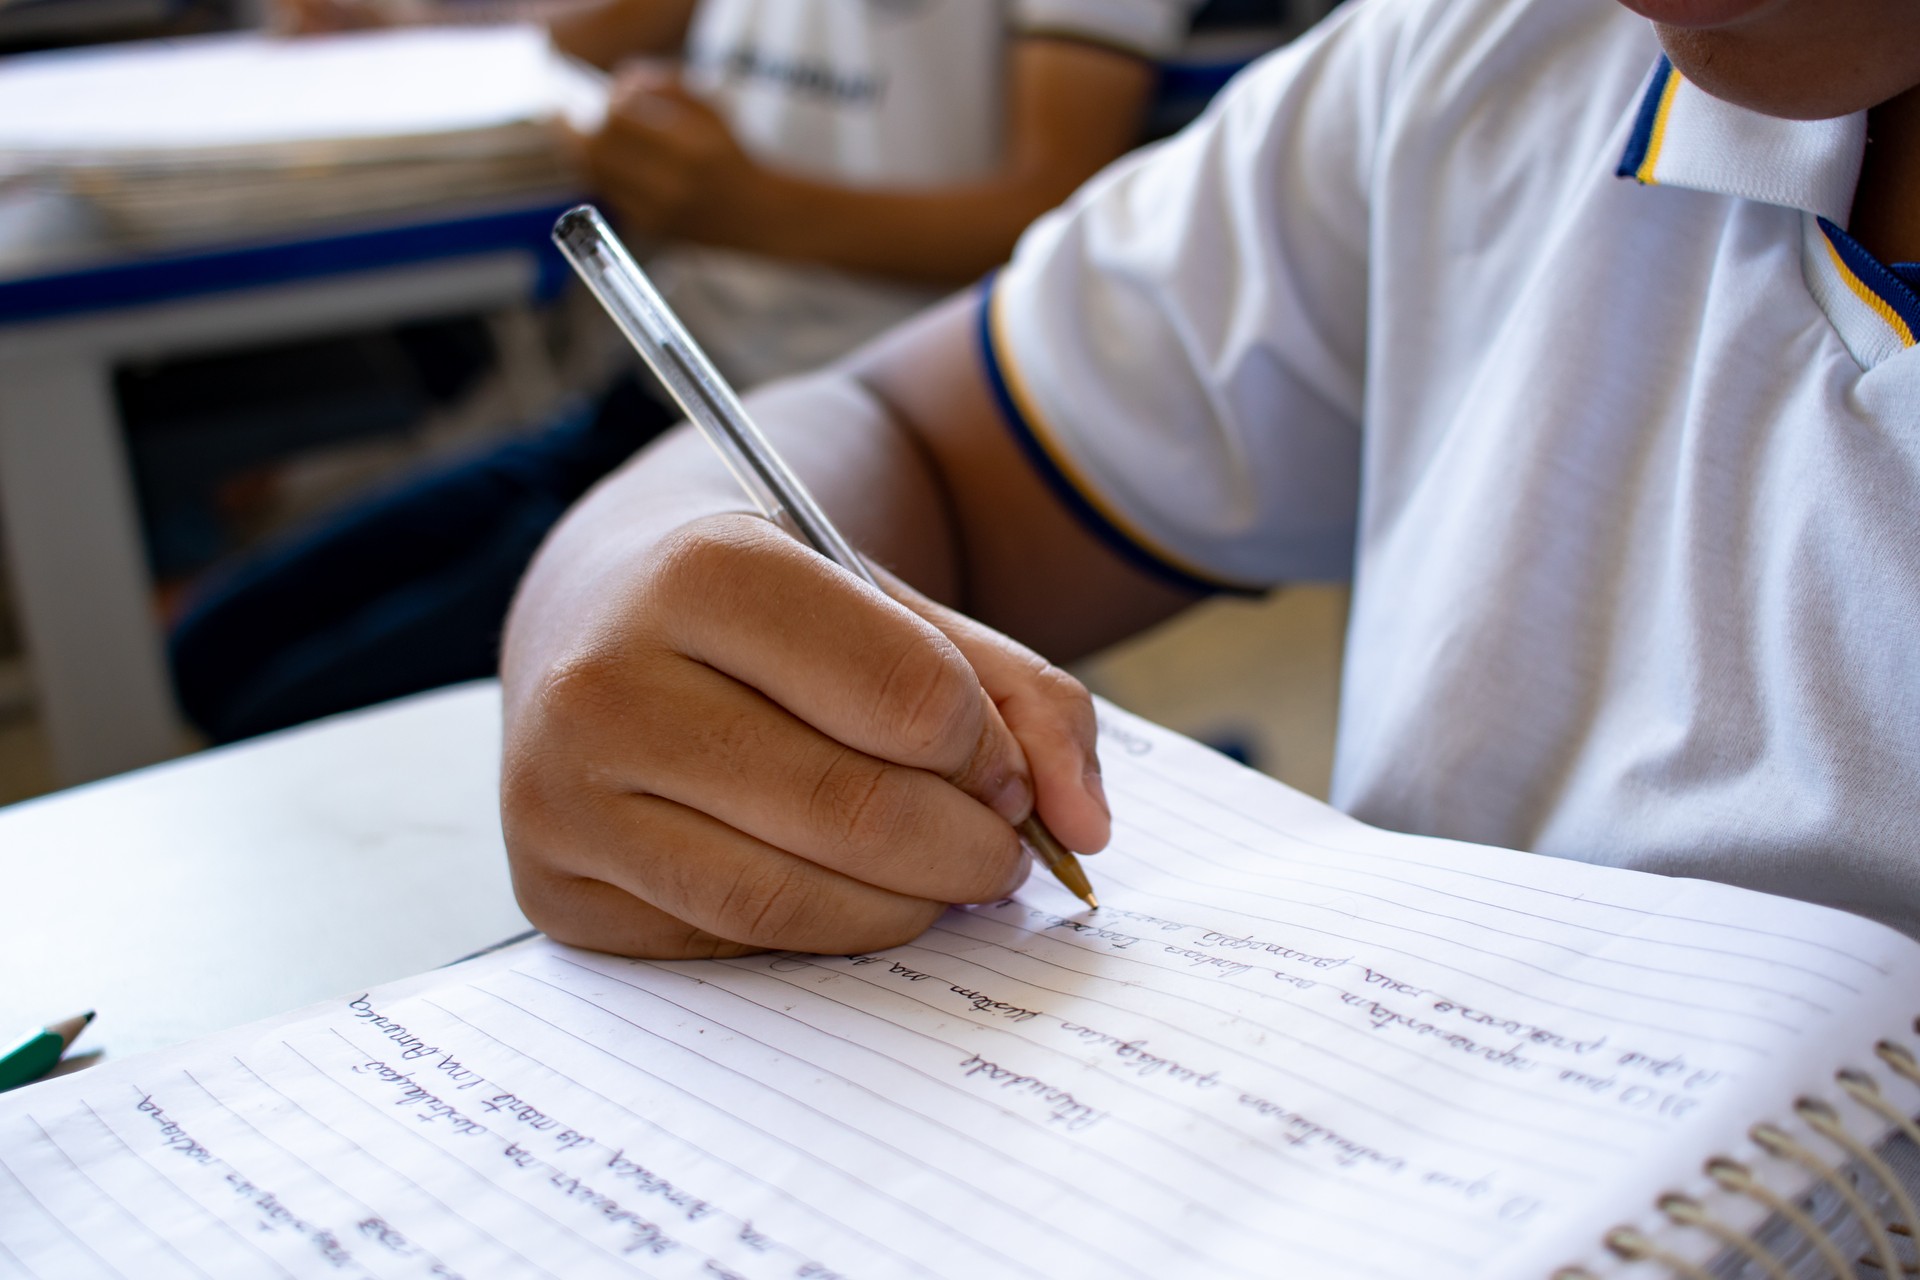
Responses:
[66,498]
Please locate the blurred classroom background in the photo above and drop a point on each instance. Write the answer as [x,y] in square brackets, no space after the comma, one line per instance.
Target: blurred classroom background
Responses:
[253,388]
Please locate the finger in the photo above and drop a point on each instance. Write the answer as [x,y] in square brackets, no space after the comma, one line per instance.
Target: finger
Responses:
[643,75]
[1049,713]
[842,656]
[646,106]
[583,912]
[702,740]
[729,885]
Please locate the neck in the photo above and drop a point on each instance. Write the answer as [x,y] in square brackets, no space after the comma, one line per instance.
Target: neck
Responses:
[1886,207]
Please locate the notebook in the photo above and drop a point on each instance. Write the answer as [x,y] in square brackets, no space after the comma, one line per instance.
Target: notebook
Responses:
[1288,1044]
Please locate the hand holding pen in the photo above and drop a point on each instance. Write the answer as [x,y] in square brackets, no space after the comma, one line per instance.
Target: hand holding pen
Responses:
[677,360]
[718,741]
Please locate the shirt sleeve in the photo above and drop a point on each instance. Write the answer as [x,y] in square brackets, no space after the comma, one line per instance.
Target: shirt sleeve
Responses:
[1181,349]
[1150,28]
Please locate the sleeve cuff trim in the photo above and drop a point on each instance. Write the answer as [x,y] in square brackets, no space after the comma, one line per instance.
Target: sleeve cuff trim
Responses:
[1064,478]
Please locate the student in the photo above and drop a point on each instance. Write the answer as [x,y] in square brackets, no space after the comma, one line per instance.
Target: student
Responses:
[1592,363]
[815,171]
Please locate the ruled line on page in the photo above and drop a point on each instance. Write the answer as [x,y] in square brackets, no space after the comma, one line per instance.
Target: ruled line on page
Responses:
[1144,1132]
[946,1228]
[49,1215]
[321,1073]
[962,924]
[1450,1141]
[145,1162]
[1119,906]
[985,1149]
[705,985]
[1110,875]
[1292,1003]
[377,1164]
[991,1152]
[1267,859]
[139,1223]
[1237,939]
[569,1081]
[1529,1128]
[695,1212]
[629,1065]
[268,1139]
[1585,900]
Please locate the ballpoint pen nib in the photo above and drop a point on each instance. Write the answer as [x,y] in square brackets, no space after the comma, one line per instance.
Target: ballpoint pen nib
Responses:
[1054,857]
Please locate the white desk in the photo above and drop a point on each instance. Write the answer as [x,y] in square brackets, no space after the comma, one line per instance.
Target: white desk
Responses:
[243,882]
[66,498]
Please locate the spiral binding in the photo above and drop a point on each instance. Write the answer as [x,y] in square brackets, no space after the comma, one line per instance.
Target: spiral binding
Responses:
[1884,1257]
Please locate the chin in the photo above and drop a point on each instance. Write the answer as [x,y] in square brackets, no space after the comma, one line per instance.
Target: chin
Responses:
[1790,80]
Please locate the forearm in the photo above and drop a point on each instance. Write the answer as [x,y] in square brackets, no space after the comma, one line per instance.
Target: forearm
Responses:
[606,32]
[941,236]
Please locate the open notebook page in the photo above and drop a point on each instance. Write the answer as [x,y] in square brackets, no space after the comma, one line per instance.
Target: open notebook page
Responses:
[1288,1045]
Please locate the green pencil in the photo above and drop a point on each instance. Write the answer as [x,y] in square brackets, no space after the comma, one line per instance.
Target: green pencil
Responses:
[34,1054]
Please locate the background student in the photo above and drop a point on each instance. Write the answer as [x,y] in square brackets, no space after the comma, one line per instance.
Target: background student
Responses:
[813,172]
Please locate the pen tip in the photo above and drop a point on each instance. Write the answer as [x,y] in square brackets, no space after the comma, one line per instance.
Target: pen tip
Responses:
[1092,901]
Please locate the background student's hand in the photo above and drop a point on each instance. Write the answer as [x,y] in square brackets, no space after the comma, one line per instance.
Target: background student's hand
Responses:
[323,17]
[670,166]
[739,746]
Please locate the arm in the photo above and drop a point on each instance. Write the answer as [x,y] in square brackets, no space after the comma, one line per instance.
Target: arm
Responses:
[669,164]
[717,742]
[604,32]
[598,31]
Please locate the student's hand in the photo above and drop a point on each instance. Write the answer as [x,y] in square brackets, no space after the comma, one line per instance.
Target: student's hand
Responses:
[720,742]
[323,17]
[670,166]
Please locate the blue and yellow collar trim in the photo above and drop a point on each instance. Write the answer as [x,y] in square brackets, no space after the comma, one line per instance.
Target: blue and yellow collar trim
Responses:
[1683,136]
[1876,313]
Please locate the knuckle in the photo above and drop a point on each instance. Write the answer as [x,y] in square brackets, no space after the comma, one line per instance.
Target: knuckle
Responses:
[1060,686]
[863,807]
[706,559]
[926,699]
[986,873]
[763,906]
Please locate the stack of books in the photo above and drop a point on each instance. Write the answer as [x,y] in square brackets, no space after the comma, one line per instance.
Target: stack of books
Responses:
[225,136]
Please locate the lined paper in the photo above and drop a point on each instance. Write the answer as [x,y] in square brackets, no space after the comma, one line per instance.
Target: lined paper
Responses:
[1289,1044]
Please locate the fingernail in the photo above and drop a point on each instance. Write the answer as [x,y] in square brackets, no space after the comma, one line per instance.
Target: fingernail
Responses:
[1012,799]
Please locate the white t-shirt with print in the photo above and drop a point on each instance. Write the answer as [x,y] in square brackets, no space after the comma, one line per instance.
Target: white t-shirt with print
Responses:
[894,94]
[1626,469]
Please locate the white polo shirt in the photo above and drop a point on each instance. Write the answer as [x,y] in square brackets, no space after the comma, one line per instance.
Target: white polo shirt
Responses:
[895,94]
[1626,472]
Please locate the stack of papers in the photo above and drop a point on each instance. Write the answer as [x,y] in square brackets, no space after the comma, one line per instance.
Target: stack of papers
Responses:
[216,136]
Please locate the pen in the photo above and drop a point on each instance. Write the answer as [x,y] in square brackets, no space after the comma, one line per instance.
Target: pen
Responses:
[34,1054]
[657,334]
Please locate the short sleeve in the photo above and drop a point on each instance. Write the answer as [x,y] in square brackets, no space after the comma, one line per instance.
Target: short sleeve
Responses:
[1181,350]
[1150,28]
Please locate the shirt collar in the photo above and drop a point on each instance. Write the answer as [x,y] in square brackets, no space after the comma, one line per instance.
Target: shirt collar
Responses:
[1686,137]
